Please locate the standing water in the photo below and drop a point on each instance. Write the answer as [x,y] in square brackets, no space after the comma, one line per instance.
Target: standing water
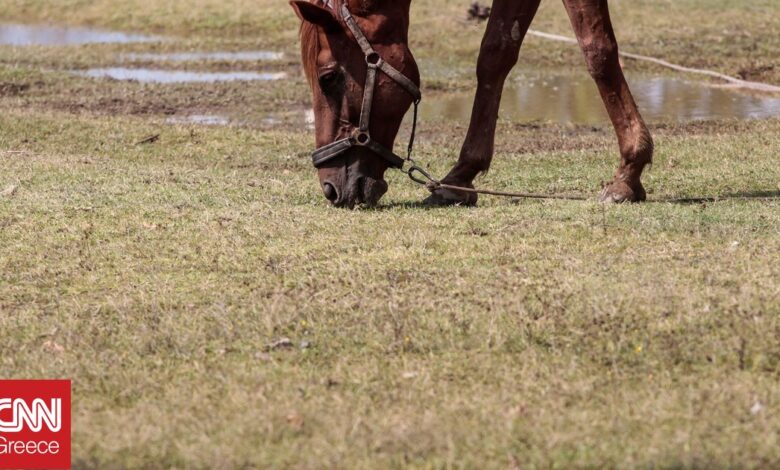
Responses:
[179,76]
[47,35]
[204,56]
[575,99]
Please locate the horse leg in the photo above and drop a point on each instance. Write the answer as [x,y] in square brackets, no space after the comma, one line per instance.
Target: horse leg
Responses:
[508,23]
[592,25]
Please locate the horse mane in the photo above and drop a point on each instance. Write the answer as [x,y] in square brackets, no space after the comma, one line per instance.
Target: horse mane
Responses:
[310,38]
[310,50]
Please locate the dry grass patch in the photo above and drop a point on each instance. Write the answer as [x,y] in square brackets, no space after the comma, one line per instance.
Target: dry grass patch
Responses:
[537,333]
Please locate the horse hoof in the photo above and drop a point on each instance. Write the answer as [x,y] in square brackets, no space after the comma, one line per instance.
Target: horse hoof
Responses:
[619,191]
[447,197]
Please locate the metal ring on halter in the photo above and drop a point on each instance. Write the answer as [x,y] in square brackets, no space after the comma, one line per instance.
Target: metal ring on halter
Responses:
[362,138]
[373,59]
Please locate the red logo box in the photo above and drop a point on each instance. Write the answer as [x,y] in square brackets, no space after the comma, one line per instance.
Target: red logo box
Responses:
[34,424]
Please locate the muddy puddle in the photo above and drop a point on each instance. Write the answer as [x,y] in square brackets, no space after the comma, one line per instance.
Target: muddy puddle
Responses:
[243,56]
[575,99]
[49,35]
[144,75]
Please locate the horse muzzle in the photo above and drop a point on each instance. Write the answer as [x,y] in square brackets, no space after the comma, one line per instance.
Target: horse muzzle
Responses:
[355,189]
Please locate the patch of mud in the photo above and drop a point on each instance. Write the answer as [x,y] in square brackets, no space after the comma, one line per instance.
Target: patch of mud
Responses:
[756,72]
[159,76]
[13,89]
[520,139]
[243,105]
[50,35]
[243,56]
[114,106]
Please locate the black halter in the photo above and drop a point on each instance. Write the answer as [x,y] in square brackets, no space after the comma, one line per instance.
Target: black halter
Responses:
[361,137]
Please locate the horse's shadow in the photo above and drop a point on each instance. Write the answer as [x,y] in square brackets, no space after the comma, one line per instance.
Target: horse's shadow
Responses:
[401,205]
[770,194]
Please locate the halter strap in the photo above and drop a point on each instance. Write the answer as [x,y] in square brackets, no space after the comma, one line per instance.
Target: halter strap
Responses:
[361,136]
[369,51]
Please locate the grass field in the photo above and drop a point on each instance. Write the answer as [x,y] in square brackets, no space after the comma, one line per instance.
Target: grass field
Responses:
[214,312]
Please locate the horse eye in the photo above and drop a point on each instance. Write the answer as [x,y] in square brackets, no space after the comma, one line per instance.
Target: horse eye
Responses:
[328,80]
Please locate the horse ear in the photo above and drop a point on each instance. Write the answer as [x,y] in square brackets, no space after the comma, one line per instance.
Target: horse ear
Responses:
[315,14]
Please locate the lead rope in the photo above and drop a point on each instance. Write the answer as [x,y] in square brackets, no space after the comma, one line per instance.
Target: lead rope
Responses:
[432,184]
[410,147]
[426,180]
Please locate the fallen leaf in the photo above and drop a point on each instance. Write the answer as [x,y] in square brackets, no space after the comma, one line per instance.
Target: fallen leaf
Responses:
[52,346]
[281,343]
[9,191]
[331,382]
[295,420]
[149,140]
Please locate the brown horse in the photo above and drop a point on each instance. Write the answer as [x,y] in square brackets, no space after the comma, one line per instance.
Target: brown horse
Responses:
[363,79]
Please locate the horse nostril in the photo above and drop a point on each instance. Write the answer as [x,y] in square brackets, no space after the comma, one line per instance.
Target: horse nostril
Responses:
[330,192]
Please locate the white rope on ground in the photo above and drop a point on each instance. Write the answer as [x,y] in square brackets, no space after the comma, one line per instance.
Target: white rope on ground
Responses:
[733,82]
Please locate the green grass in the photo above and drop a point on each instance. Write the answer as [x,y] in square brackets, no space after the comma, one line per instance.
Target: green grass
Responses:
[547,333]
[515,334]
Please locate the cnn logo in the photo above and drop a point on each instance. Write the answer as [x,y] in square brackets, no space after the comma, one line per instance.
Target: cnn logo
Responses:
[34,424]
[35,416]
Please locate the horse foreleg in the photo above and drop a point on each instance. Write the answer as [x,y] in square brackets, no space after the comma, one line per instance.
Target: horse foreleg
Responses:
[508,23]
[592,25]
